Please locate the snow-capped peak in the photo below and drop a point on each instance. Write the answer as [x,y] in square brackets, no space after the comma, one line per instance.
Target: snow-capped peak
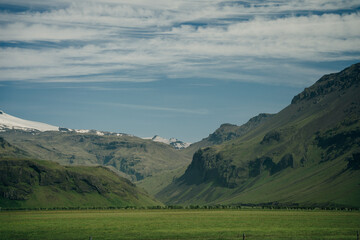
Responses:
[157,138]
[177,144]
[10,122]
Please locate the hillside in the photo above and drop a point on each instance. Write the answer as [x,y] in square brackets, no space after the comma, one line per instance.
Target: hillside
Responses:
[133,158]
[45,184]
[307,154]
[227,132]
[9,151]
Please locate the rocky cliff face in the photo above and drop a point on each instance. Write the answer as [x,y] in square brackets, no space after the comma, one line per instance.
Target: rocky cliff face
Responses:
[330,83]
[227,131]
[207,165]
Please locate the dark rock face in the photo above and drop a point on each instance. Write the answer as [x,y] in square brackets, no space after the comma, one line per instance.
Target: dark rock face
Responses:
[330,83]
[285,162]
[227,131]
[257,166]
[272,136]
[354,161]
[207,166]
[338,140]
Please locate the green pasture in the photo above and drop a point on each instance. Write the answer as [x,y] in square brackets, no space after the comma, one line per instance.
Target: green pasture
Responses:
[179,224]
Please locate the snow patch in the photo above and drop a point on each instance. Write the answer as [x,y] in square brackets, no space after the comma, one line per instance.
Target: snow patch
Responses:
[10,122]
[177,144]
[82,131]
[99,133]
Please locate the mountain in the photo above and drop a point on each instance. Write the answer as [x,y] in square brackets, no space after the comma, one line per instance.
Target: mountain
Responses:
[132,157]
[10,122]
[175,143]
[44,184]
[9,151]
[227,132]
[308,154]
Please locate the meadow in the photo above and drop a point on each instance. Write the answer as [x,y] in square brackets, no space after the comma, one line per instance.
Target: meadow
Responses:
[179,224]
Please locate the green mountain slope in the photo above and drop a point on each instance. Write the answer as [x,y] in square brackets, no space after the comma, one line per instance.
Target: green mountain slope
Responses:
[227,132]
[9,151]
[307,154]
[132,157]
[45,184]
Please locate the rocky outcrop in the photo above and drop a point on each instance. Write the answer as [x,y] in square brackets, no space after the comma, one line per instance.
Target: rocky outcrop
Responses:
[227,131]
[207,165]
[272,136]
[330,83]
[354,161]
[259,165]
[210,166]
[339,140]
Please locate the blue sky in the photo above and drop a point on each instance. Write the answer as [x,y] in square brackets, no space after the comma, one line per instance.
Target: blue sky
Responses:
[175,68]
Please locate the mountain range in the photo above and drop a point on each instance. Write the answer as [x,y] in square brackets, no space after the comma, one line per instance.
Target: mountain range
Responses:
[109,159]
[9,122]
[308,154]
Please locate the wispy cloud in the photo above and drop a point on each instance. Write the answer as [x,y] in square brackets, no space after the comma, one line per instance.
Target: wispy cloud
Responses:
[139,41]
[158,108]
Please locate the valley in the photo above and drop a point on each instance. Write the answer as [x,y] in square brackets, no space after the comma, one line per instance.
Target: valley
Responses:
[304,156]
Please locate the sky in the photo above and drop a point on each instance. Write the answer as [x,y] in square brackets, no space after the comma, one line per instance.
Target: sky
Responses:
[174,68]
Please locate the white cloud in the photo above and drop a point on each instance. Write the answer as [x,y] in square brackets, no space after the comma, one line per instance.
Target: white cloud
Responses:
[143,41]
[158,108]
[42,32]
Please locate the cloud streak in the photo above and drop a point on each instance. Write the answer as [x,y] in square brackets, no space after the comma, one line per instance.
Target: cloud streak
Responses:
[158,108]
[135,41]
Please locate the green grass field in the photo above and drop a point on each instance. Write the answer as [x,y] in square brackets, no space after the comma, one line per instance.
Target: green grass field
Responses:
[179,224]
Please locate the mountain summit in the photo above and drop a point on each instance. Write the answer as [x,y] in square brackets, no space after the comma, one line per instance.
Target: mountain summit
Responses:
[175,143]
[10,122]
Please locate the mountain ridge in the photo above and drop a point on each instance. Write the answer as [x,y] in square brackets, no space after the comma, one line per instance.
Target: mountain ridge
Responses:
[26,183]
[319,130]
[8,121]
[305,155]
[132,157]
[227,132]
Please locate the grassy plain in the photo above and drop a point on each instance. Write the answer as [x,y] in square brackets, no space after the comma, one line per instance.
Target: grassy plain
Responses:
[179,224]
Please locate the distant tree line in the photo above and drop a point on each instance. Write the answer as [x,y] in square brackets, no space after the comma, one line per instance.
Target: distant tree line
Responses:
[203,207]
